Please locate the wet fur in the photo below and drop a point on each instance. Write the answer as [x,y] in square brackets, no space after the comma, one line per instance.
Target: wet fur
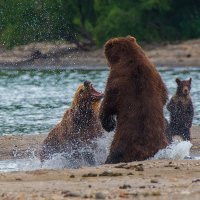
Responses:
[78,127]
[135,94]
[181,111]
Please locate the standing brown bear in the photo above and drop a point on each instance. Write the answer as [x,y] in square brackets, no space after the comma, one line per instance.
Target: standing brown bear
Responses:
[181,110]
[136,94]
[78,127]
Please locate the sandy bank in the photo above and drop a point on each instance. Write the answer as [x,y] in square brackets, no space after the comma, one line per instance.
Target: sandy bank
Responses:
[22,146]
[152,179]
[48,55]
[137,180]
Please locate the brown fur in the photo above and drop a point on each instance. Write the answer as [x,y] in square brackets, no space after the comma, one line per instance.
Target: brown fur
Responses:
[136,94]
[79,125]
[181,111]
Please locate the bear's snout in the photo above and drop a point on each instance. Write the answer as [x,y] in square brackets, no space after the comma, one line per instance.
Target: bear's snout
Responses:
[185,90]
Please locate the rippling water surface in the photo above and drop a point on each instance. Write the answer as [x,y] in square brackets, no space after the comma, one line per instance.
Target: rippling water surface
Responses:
[33,101]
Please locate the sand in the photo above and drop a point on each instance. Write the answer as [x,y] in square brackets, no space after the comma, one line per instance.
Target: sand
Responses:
[152,179]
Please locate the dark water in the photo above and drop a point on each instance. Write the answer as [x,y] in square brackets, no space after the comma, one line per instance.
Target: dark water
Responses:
[33,101]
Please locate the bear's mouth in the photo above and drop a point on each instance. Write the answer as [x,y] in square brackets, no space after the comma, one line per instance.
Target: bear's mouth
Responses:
[95,94]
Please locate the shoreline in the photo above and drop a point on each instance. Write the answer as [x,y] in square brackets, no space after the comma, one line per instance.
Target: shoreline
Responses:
[21,144]
[66,56]
[149,179]
[84,68]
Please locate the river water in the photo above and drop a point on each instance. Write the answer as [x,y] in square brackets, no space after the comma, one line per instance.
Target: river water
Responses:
[33,101]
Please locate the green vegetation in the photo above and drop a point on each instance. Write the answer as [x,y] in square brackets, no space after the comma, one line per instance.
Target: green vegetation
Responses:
[94,21]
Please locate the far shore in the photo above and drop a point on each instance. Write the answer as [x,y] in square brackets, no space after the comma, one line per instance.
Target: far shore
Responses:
[65,56]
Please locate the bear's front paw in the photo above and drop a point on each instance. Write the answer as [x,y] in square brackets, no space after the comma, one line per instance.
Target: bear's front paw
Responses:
[109,123]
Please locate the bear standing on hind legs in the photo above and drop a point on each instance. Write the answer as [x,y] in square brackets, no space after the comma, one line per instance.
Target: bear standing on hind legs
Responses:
[136,94]
[181,110]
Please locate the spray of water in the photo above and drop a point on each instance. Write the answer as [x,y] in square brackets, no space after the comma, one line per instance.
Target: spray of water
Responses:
[178,150]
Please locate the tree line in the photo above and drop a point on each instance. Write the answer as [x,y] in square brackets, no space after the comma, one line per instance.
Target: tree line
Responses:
[92,22]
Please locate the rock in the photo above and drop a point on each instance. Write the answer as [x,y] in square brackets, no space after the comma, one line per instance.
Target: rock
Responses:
[90,175]
[70,194]
[125,186]
[106,173]
[100,195]
[154,181]
[196,180]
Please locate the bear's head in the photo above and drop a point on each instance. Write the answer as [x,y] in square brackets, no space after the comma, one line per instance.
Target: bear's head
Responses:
[183,87]
[86,95]
[122,49]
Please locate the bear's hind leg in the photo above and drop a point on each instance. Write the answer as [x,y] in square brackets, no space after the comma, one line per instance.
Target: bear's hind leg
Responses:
[186,135]
[114,157]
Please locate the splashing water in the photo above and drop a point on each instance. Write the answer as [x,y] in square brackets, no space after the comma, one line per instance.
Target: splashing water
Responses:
[178,150]
[60,160]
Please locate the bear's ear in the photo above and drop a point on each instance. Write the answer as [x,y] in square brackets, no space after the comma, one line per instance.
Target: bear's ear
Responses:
[108,46]
[111,52]
[131,38]
[190,80]
[178,80]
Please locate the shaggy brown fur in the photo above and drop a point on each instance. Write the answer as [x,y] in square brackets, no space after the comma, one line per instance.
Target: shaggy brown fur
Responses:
[136,94]
[181,111]
[79,125]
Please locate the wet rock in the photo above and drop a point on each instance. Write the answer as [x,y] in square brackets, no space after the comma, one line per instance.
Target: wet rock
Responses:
[196,180]
[100,195]
[106,173]
[156,193]
[154,181]
[138,167]
[72,176]
[188,55]
[90,175]
[70,194]
[125,186]
[87,196]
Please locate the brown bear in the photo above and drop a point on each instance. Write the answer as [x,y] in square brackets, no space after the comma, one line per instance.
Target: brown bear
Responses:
[136,94]
[181,111]
[79,125]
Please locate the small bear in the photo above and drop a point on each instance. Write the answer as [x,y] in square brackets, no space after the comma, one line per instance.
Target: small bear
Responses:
[181,111]
[78,127]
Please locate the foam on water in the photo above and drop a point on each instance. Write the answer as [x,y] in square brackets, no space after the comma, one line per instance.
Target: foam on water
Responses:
[60,160]
[178,150]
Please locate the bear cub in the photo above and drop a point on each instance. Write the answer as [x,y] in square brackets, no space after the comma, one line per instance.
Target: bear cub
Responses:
[181,111]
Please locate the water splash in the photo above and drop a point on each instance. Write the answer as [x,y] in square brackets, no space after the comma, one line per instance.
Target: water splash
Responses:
[178,150]
[60,160]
